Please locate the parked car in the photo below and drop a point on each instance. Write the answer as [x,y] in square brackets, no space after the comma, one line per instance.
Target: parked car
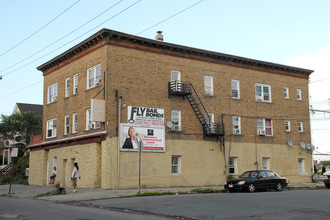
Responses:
[257,179]
[326,179]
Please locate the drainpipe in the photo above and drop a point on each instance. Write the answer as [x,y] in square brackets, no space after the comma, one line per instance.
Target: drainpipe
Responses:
[118,156]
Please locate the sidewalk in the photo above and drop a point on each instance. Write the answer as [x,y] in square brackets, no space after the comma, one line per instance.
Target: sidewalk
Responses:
[24,191]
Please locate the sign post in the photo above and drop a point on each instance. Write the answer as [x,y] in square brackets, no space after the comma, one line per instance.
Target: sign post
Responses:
[13,152]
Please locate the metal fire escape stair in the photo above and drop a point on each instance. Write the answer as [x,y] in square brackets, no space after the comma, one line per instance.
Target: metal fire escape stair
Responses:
[187,90]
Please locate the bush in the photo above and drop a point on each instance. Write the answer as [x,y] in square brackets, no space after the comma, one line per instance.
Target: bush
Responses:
[4,180]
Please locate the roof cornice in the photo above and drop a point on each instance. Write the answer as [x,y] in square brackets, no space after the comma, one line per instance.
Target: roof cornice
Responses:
[219,57]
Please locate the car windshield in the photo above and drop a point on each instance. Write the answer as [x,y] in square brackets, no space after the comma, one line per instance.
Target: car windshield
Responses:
[249,174]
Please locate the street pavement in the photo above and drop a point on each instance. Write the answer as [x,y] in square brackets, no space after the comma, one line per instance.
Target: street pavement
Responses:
[25,191]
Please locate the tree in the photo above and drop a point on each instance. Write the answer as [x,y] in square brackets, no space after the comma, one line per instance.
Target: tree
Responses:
[19,127]
[325,163]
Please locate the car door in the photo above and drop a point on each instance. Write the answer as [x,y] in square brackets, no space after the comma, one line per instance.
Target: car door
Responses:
[261,182]
[272,179]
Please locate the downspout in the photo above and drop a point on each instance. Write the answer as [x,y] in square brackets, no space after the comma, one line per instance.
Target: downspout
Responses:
[118,155]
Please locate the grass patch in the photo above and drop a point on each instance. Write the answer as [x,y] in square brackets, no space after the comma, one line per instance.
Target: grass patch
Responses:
[155,193]
[208,190]
[51,193]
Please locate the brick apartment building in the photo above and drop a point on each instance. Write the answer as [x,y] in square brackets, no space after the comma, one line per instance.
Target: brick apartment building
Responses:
[201,115]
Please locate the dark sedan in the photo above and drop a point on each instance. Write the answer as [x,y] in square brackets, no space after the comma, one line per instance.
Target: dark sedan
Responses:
[258,179]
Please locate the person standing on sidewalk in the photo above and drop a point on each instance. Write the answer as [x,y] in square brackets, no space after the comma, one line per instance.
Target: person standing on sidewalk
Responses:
[75,175]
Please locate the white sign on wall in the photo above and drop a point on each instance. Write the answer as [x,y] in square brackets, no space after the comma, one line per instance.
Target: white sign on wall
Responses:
[153,138]
[98,110]
[145,116]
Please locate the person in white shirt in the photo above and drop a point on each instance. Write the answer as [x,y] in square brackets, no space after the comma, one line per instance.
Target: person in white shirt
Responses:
[75,175]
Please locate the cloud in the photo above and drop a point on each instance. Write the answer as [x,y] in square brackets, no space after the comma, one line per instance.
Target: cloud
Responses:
[320,79]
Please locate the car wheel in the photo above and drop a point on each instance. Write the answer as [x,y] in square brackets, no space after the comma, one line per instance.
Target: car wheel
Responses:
[327,186]
[251,187]
[279,187]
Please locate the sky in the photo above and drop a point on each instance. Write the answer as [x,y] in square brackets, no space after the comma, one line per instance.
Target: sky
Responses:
[295,33]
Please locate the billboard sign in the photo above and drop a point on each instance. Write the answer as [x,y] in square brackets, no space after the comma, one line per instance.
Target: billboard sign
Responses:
[152,137]
[98,110]
[145,116]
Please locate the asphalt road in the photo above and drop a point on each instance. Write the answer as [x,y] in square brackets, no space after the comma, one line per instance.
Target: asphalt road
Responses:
[23,209]
[294,204]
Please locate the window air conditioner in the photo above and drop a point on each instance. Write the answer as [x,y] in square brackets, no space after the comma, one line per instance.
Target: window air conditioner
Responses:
[259,98]
[98,81]
[208,92]
[236,131]
[261,132]
[55,98]
[176,128]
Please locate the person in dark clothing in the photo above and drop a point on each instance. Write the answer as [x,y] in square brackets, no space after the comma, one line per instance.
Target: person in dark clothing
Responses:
[131,142]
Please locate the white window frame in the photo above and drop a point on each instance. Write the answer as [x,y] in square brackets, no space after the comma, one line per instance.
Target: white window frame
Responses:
[233,165]
[235,89]
[301,166]
[286,92]
[176,77]
[208,85]
[75,84]
[236,121]
[211,122]
[260,95]
[91,124]
[265,163]
[300,126]
[264,127]
[67,87]
[176,119]
[66,124]
[52,93]
[51,126]
[94,76]
[287,126]
[176,165]
[74,123]
[298,94]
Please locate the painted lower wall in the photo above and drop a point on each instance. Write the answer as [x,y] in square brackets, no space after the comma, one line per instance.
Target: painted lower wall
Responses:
[202,164]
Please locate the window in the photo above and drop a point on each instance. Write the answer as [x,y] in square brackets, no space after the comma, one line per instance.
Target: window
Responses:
[265,163]
[52,93]
[175,77]
[264,127]
[300,126]
[93,76]
[176,164]
[67,87]
[66,125]
[286,92]
[176,120]
[236,125]
[263,92]
[301,167]
[208,85]
[210,121]
[74,123]
[232,165]
[75,84]
[235,89]
[89,123]
[298,94]
[51,128]
[287,125]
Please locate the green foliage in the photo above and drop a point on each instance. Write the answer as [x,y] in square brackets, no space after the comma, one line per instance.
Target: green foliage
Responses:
[51,193]
[4,180]
[20,166]
[20,126]
[325,163]
[230,177]
[207,190]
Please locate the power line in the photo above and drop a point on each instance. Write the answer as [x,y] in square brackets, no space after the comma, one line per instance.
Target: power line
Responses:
[57,40]
[39,29]
[20,89]
[76,37]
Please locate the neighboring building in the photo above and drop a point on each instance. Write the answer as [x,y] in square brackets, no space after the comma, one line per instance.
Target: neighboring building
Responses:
[226,115]
[25,107]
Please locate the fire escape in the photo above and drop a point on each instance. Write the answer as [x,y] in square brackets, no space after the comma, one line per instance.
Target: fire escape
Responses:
[187,90]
